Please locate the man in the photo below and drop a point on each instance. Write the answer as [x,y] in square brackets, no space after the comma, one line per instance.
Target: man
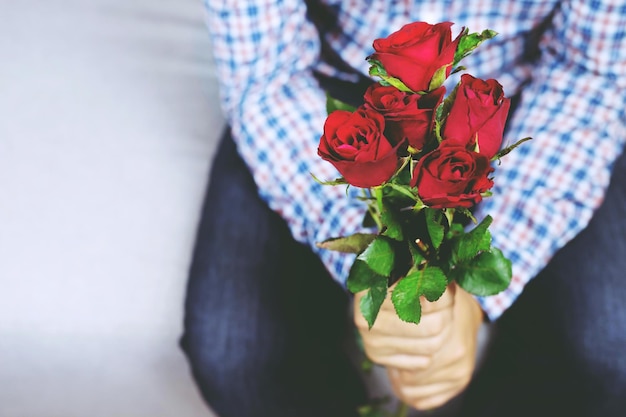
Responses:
[257,343]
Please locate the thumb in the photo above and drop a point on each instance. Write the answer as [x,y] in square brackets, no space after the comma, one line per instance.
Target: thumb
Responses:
[444,302]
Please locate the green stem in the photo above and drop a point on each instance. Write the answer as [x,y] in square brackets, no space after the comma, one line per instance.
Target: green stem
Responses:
[373,212]
[378,194]
[449,213]
[405,162]
[403,410]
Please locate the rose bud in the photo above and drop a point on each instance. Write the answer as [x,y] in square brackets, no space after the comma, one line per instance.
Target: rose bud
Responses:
[407,116]
[452,176]
[415,52]
[478,115]
[355,144]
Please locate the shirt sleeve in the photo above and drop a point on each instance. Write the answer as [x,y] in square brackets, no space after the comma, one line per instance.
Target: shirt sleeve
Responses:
[547,190]
[264,52]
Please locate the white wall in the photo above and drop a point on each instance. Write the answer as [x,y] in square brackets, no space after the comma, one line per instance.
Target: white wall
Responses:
[107,125]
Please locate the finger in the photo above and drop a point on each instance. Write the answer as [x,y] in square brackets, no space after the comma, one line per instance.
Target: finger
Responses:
[388,323]
[441,369]
[444,302]
[391,344]
[421,396]
[434,401]
[394,379]
[401,361]
[424,396]
[387,320]
[431,375]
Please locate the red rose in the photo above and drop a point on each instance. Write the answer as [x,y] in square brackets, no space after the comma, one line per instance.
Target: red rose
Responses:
[355,144]
[407,116]
[478,114]
[415,52]
[452,176]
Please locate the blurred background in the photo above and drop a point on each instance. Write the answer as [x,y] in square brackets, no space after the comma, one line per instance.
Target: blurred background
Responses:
[108,121]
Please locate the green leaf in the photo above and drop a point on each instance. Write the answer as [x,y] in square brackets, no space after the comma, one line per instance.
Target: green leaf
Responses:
[377,70]
[508,149]
[434,226]
[434,283]
[393,228]
[468,245]
[406,300]
[487,274]
[430,282]
[405,190]
[372,300]
[456,229]
[361,277]
[442,111]
[333,104]
[379,256]
[367,365]
[355,243]
[439,77]
[469,42]
[371,411]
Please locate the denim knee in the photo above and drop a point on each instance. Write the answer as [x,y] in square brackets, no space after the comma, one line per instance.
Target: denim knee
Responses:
[596,344]
[230,369]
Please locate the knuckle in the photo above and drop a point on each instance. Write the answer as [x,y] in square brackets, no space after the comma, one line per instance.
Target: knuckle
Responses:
[429,347]
[405,378]
[418,366]
[399,390]
[433,344]
[459,352]
[429,402]
[378,360]
[369,352]
[464,376]
[439,341]
[384,361]
[465,380]
[360,323]
[375,342]
[424,363]
[436,324]
[405,393]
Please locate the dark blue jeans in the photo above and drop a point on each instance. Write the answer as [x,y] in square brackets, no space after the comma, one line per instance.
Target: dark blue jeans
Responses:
[265,325]
[561,348]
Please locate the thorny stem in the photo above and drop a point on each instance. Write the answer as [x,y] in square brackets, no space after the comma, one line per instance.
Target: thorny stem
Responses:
[403,410]
[449,213]
[413,164]
[377,211]
[378,194]
[405,162]
[375,214]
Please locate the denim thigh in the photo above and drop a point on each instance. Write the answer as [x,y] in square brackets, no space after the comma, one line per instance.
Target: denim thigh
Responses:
[264,322]
[560,349]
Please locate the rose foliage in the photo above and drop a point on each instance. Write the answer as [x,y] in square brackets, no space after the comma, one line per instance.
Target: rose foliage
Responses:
[423,158]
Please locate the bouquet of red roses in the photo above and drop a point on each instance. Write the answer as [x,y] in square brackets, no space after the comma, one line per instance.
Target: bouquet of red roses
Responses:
[423,159]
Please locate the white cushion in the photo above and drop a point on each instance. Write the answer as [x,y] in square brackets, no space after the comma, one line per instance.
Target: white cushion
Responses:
[108,120]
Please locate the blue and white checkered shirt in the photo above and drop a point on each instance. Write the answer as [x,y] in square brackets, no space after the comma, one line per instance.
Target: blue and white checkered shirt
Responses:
[566,58]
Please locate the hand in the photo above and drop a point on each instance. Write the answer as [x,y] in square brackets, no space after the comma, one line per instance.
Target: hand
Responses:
[430,363]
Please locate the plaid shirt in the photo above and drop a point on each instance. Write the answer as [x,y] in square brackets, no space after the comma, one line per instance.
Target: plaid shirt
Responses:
[567,59]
